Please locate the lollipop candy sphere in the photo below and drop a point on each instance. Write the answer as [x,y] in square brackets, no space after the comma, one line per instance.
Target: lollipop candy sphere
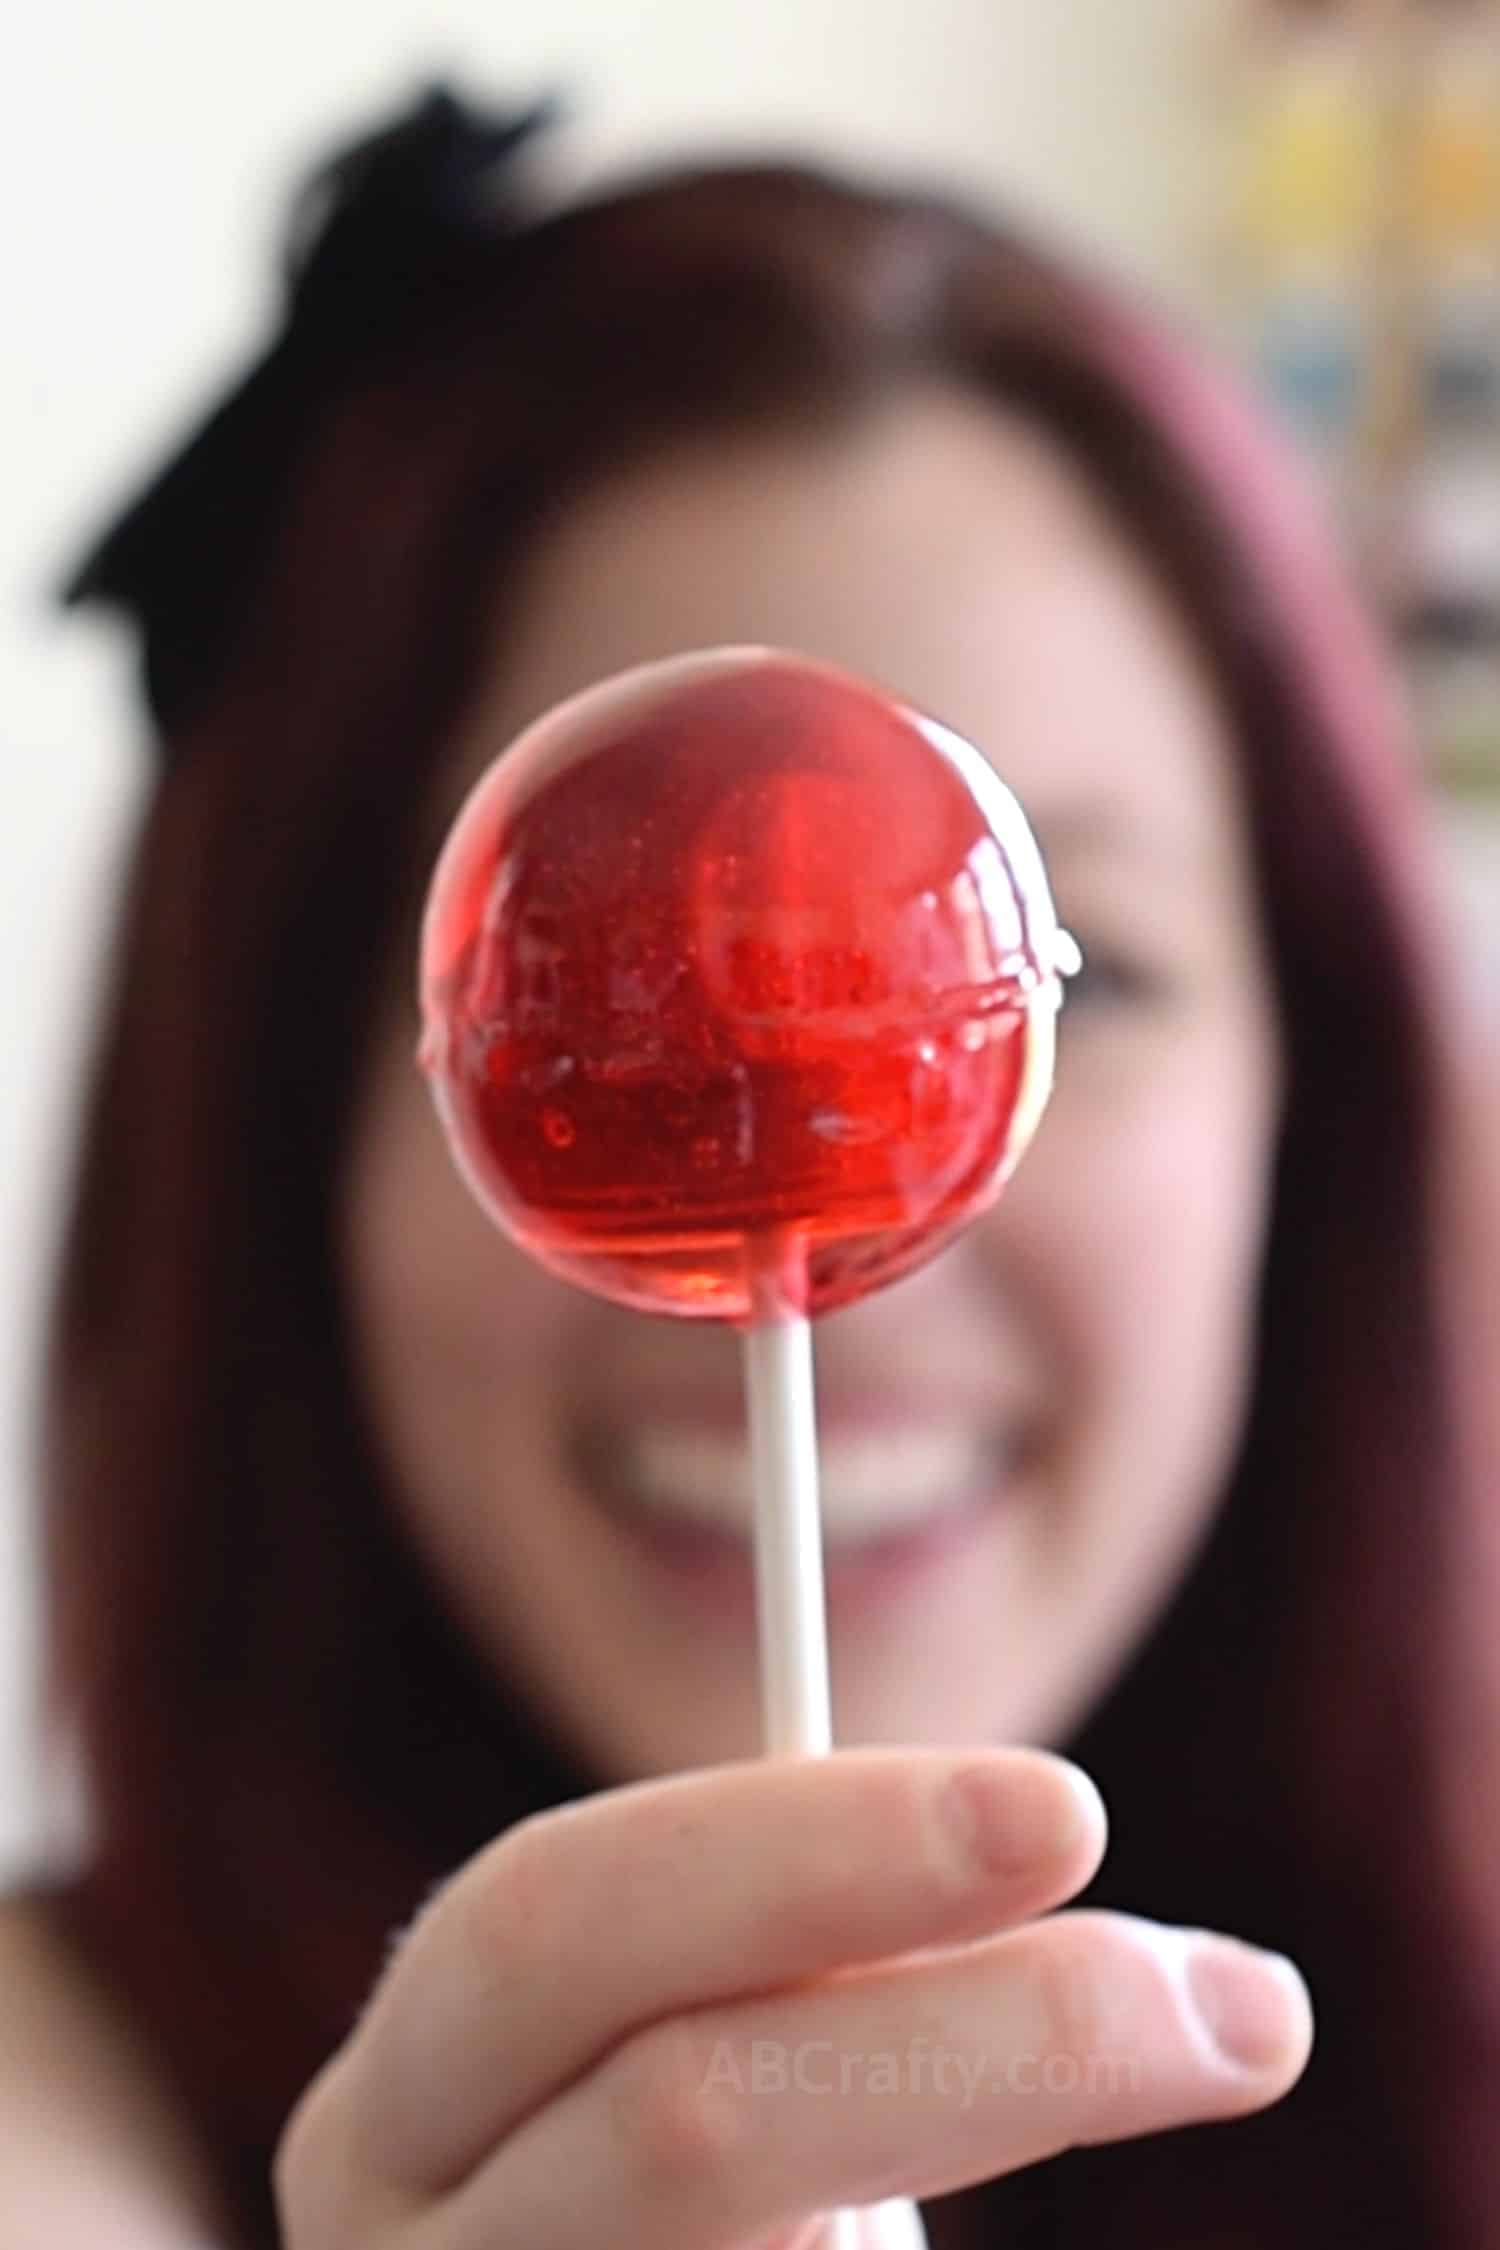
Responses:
[732,968]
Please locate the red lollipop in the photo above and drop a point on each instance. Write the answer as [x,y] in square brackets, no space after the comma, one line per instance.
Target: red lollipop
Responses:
[738,976]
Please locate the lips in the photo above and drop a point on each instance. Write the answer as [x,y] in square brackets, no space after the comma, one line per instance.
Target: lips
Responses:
[880,1481]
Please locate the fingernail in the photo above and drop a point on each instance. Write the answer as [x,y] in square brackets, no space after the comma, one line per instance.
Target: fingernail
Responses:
[1011,1817]
[1253,2005]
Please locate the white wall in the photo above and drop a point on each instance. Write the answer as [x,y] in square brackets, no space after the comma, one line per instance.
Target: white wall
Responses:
[145,151]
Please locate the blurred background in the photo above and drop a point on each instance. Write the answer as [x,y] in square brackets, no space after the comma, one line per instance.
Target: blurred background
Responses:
[1315,188]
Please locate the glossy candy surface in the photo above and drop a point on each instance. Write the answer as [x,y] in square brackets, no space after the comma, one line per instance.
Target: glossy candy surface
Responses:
[739,985]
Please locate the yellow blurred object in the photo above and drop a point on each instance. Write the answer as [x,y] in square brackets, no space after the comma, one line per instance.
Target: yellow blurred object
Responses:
[1453,179]
[1313,155]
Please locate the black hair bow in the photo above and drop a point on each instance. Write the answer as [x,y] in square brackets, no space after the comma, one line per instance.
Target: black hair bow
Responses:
[379,234]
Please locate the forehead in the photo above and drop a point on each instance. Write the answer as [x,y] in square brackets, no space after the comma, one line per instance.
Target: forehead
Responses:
[938,547]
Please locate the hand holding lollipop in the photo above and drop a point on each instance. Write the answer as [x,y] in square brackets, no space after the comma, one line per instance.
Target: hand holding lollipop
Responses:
[739,987]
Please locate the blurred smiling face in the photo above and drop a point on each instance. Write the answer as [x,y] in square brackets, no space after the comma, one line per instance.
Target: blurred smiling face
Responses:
[1024,1443]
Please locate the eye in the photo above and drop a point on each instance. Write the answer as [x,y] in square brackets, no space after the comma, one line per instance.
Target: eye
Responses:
[1110,977]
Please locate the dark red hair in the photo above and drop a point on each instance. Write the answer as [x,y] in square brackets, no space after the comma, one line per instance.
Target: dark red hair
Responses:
[286,1737]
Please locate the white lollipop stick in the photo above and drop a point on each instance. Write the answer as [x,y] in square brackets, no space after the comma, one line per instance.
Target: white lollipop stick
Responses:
[795,1716]
[790,1614]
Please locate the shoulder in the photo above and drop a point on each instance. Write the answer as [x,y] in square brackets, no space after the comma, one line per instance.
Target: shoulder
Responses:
[92,2150]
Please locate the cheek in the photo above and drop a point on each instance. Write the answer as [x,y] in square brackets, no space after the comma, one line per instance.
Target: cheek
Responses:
[452,1325]
[1135,1231]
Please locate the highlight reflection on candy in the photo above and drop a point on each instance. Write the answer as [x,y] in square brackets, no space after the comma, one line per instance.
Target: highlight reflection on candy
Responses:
[733,952]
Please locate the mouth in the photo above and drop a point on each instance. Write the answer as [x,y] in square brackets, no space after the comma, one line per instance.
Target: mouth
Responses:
[894,1491]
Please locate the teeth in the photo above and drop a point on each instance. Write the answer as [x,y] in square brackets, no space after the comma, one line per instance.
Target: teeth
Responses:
[871,1483]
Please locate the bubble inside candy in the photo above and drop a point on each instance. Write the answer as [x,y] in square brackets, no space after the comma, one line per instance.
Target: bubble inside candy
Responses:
[739,986]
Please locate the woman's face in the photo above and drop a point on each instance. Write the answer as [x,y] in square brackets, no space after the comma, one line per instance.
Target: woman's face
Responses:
[1047,1412]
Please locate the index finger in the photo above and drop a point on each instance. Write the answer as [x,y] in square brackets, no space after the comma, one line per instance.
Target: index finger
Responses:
[581,1926]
